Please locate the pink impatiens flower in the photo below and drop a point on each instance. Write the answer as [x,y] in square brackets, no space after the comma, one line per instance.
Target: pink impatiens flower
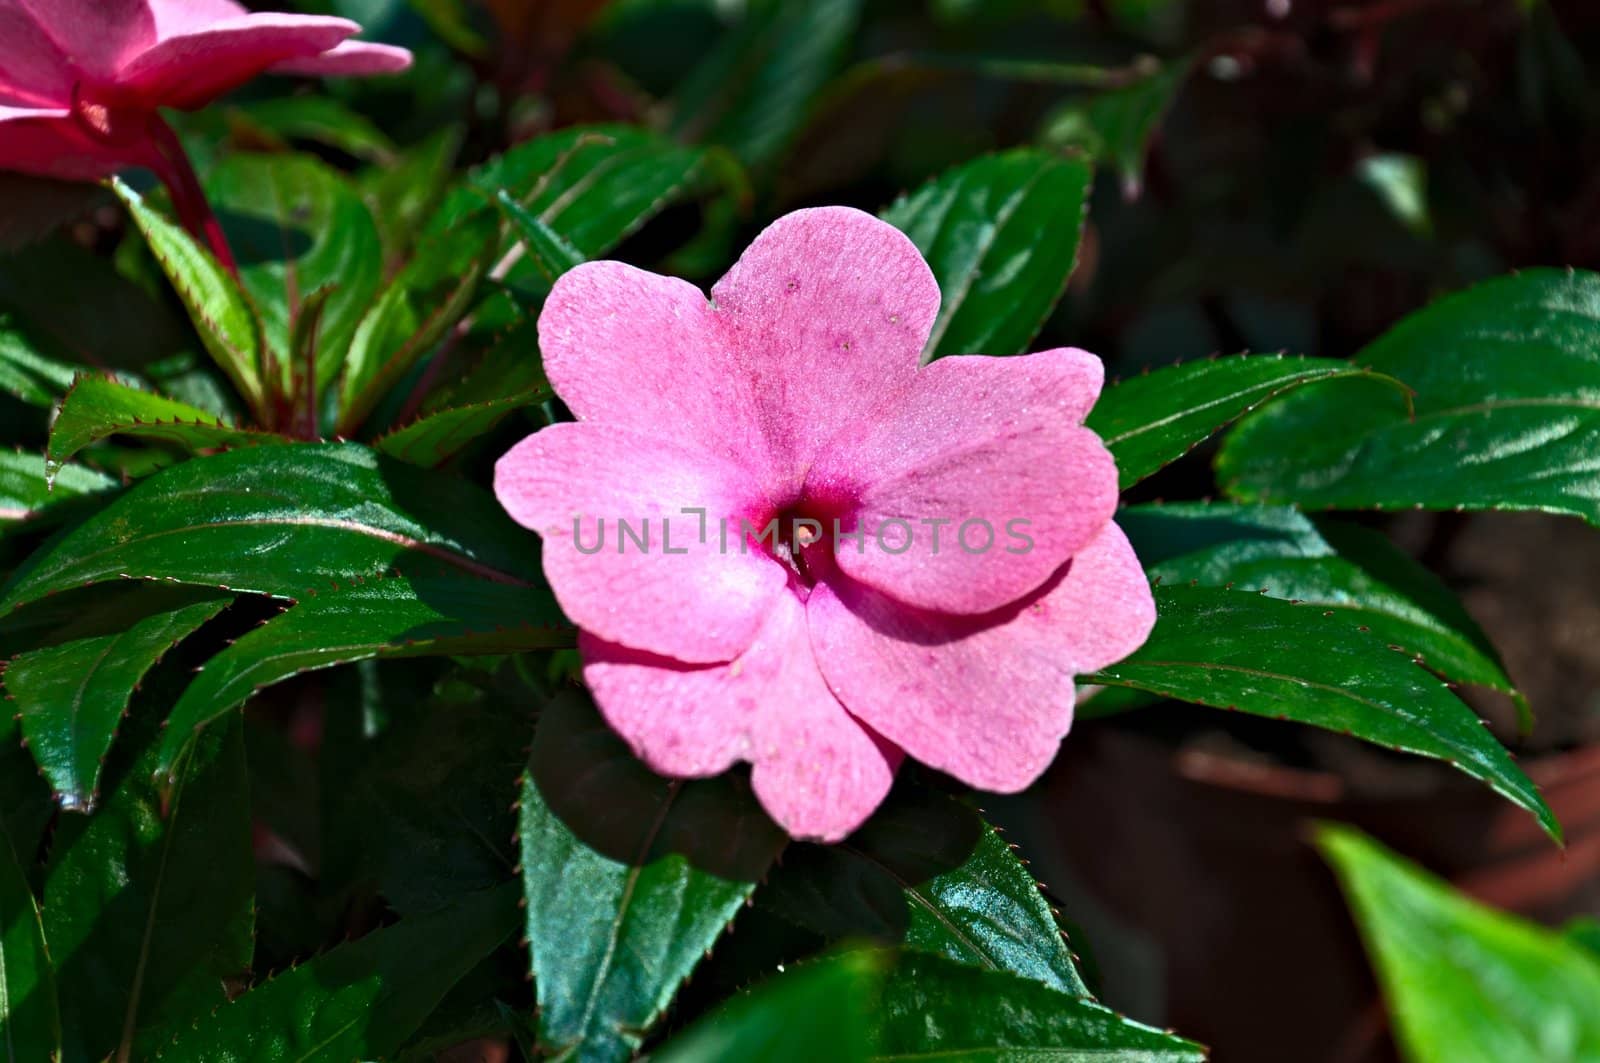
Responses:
[944,564]
[82,81]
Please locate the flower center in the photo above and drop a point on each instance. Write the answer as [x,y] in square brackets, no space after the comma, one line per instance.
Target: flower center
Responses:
[104,119]
[802,536]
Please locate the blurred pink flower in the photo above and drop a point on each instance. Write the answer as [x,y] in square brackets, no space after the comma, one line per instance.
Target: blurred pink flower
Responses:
[81,81]
[893,624]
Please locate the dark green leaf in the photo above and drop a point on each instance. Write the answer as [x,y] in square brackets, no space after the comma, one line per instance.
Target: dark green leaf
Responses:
[98,407]
[72,696]
[28,374]
[818,1011]
[298,227]
[215,302]
[30,1021]
[1001,234]
[284,521]
[401,195]
[1585,933]
[397,617]
[628,880]
[1153,420]
[1118,125]
[360,1001]
[1465,983]
[319,119]
[436,437]
[1354,570]
[1237,650]
[148,903]
[927,872]
[545,248]
[934,1008]
[756,86]
[1507,377]
[25,494]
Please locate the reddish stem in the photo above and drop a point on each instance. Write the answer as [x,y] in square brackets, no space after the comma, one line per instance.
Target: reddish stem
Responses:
[188,198]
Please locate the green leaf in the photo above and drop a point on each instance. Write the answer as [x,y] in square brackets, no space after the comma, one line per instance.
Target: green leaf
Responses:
[1585,933]
[297,228]
[1235,650]
[1507,377]
[360,1001]
[433,439]
[925,871]
[1354,570]
[546,249]
[28,374]
[98,407]
[283,521]
[817,1011]
[30,1020]
[214,300]
[1465,983]
[755,87]
[1001,234]
[25,494]
[72,696]
[319,119]
[593,185]
[398,617]
[1118,125]
[1152,420]
[934,1008]
[628,879]
[148,904]
[402,194]
[429,298]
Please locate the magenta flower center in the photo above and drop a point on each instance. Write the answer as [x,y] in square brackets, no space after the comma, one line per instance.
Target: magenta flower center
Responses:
[105,119]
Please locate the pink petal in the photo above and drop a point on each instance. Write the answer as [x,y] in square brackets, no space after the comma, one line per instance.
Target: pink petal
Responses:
[976,483]
[194,67]
[828,311]
[818,771]
[50,143]
[986,699]
[66,39]
[702,604]
[626,347]
[176,18]
[350,59]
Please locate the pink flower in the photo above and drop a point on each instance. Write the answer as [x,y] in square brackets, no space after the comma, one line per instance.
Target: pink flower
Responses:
[81,81]
[822,654]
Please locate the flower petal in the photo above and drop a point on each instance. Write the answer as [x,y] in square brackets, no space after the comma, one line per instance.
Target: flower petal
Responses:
[208,59]
[43,42]
[976,483]
[818,771]
[986,699]
[828,311]
[667,589]
[49,143]
[350,59]
[627,347]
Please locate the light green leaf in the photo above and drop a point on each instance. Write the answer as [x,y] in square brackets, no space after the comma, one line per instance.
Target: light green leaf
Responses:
[1465,983]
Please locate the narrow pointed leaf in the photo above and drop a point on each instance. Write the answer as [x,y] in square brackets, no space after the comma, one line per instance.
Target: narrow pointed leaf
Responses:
[98,407]
[933,1008]
[434,438]
[927,873]
[1465,983]
[617,913]
[25,494]
[30,1020]
[215,302]
[1001,235]
[27,373]
[1507,416]
[1150,421]
[148,904]
[362,1000]
[1244,651]
[282,521]
[546,249]
[72,696]
[298,228]
[1354,570]
[397,617]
